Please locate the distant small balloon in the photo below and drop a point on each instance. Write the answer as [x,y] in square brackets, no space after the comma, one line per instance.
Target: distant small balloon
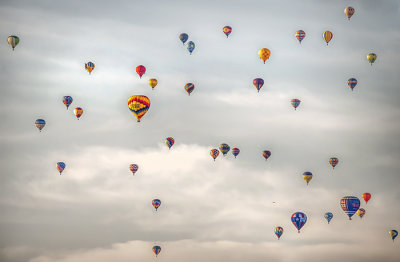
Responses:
[169,141]
[235,151]
[295,103]
[264,54]
[366,197]
[156,250]
[278,232]
[361,212]
[349,11]
[183,37]
[266,154]
[189,87]
[133,168]
[67,100]
[371,58]
[224,148]
[78,112]
[393,234]
[352,82]
[227,30]
[156,203]
[258,83]
[333,161]
[13,41]
[327,35]
[153,82]
[60,167]
[299,219]
[191,46]
[350,205]
[89,66]
[140,70]
[214,153]
[328,216]
[40,123]
[300,34]
[307,176]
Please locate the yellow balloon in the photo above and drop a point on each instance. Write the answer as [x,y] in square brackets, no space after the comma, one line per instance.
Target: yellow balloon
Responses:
[153,82]
[307,176]
[264,54]
[371,58]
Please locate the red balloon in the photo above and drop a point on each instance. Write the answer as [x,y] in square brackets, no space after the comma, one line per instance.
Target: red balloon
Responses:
[366,196]
[140,70]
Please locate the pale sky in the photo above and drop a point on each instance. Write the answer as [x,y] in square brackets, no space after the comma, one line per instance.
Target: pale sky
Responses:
[211,211]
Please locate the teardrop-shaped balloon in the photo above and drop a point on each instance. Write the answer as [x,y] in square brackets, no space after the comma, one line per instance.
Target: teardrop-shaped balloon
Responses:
[78,112]
[300,34]
[169,141]
[227,30]
[189,87]
[393,234]
[156,203]
[89,66]
[266,154]
[352,82]
[366,197]
[153,82]
[295,103]
[258,83]
[224,148]
[307,176]
[333,161]
[278,232]
[349,12]
[133,168]
[60,167]
[371,58]
[264,54]
[235,151]
[140,70]
[214,153]
[328,216]
[327,35]
[139,105]
[191,46]
[156,250]
[13,41]
[299,219]
[40,123]
[183,37]
[67,100]
[350,205]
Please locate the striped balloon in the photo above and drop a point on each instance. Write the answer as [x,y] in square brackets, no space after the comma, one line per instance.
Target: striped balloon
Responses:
[235,151]
[352,82]
[333,161]
[307,176]
[156,250]
[214,153]
[189,87]
[156,203]
[361,212]
[258,83]
[278,232]
[13,41]
[266,154]
[327,35]
[169,141]
[139,105]
[300,34]
[227,30]
[89,66]
[224,148]
[78,112]
[67,100]
[295,103]
[350,205]
[40,123]
[299,219]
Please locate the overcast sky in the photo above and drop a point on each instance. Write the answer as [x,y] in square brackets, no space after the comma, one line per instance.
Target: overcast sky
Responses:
[211,211]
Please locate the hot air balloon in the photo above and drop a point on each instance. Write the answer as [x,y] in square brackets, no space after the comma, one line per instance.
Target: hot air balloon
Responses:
[78,112]
[278,232]
[133,168]
[393,234]
[328,216]
[227,30]
[295,103]
[264,54]
[300,34]
[361,212]
[13,41]
[266,154]
[371,58]
[366,197]
[169,141]
[183,37]
[191,46]
[349,11]
[156,250]
[40,123]
[153,82]
[299,219]
[139,105]
[333,161]
[214,153]
[89,66]
[224,148]
[60,167]
[327,35]
[140,70]
[350,205]
[258,83]
[235,151]
[189,87]
[156,203]
[352,82]
[307,176]
[67,100]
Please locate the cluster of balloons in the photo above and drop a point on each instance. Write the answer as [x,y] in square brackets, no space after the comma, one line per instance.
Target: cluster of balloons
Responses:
[190,45]
[224,148]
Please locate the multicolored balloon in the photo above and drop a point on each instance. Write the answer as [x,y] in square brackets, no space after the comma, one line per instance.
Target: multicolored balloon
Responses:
[258,83]
[264,54]
[153,82]
[328,216]
[156,250]
[361,212]
[133,168]
[13,41]
[350,205]
[183,37]
[333,161]
[214,153]
[191,46]
[60,167]
[349,11]
[78,112]
[40,123]
[371,58]
[156,203]
[366,197]
[266,154]
[169,141]
[352,82]
[189,87]
[139,105]
[224,148]
[295,103]
[299,219]
[300,34]
[278,232]
[67,100]
[227,30]
[235,151]
[307,176]
[393,234]
[89,66]
[327,35]
[140,70]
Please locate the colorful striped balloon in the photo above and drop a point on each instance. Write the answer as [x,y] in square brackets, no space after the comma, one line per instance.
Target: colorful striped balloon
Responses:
[352,82]
[156,203]
[67,100]
[60,167]
[89,66]
[13,41]
[278,232]
[350,205]
[224,148]
[214,153]
[327,35]
[156,250]
[333,161]
[295,103]
[300,34]
[266,154]
[235,151]
[189,87]
[361,212]
[139,105]
[307,176]
[169,141]
[258,83]
[40,123]
[227,30]
[299,219]
[78,112]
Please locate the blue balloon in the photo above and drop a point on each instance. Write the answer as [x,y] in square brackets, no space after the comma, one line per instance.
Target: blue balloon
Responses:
[328,216]
[183,37]
[350,205]
[191,46]
[299,219]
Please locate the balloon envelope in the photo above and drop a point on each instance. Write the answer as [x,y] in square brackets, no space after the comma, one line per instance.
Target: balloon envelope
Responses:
[67,100]
[307,176]
[153,82]
[235,151]
[278,232]
[266,154]
[393,234]
[328,216]
[156,250]
[350,205]
[227,30]
[371,58]
[140,70]
[214,153]
[349,11]
[361,212]
[333,161]
[258,83]
[169,141]
[189,87]
[299,219]
[133,168]
[327,35]
[60,167]
[264,54]
[40,123]
[295,103]
[156,203]
[89,66]
[191,46]
[139,105]
[224,148]
[78,112]
[366,197]
[352,82]
[183,37]
[300,34]
[13,41]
